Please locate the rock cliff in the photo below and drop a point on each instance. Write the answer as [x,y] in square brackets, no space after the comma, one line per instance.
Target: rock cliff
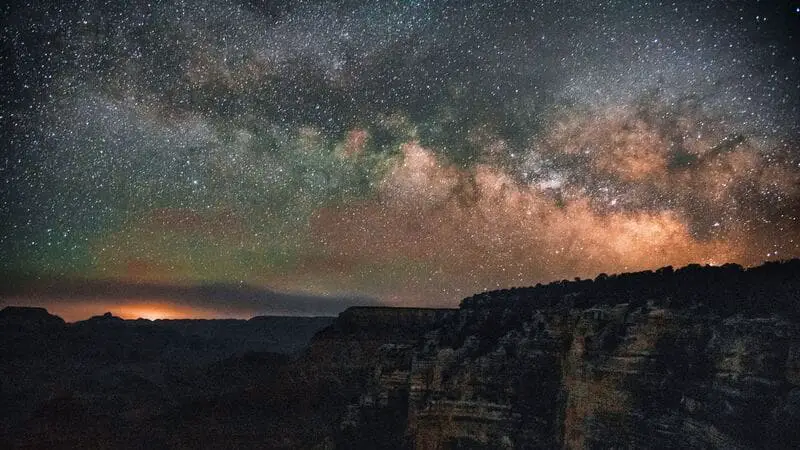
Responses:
[693,358]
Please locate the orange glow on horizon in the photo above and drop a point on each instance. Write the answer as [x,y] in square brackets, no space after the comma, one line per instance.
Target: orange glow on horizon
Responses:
[129,309]
[156,311]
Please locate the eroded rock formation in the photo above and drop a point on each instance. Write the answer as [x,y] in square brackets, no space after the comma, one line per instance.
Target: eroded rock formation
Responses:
[676,367]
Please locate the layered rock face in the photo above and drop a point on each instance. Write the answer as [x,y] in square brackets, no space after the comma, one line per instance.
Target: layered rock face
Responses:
[697,358]
[611,377]
[363,362]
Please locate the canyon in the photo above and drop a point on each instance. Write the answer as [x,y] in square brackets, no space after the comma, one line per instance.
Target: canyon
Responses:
[699,357]
[696,357]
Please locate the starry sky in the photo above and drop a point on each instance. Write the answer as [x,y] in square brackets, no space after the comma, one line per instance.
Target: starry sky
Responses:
[401,153]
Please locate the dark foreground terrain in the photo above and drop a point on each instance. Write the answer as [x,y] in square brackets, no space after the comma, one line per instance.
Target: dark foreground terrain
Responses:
[698,357]
[102,382]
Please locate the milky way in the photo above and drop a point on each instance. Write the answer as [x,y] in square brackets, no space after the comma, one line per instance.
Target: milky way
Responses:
[412,152]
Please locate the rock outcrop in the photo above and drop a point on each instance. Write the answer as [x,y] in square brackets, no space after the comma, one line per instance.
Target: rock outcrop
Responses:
[693,358]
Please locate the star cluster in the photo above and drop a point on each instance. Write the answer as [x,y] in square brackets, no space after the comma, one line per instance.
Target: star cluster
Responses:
[415,152]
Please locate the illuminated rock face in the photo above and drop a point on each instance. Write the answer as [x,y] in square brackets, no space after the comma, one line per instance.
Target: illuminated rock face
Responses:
[616,376]
[647,373]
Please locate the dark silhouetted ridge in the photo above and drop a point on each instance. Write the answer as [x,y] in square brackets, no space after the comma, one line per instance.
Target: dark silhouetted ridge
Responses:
[29,317]
[728,289]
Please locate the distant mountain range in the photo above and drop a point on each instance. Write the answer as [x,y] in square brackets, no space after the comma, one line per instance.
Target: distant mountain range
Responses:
[233,299]
[59,380]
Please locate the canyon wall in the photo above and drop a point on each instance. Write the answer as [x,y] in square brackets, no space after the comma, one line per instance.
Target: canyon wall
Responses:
[541,368]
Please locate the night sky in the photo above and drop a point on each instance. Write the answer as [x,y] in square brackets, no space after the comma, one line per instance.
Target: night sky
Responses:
[409,152]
